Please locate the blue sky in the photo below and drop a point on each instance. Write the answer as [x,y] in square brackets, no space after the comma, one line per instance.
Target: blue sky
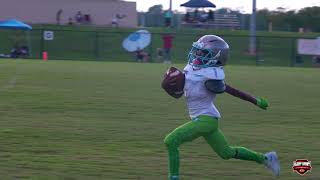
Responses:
[243,5]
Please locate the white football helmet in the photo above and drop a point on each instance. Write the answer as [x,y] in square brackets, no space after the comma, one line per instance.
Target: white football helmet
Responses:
[208,51]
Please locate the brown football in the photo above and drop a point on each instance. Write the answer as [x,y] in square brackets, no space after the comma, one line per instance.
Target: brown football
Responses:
[173,82]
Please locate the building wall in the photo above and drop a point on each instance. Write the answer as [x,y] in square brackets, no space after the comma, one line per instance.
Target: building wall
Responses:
[44,11]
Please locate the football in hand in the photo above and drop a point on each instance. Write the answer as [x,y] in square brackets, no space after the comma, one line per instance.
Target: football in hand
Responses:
[173,82]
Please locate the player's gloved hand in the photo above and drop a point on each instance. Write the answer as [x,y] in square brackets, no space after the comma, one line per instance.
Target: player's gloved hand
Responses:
[262,103]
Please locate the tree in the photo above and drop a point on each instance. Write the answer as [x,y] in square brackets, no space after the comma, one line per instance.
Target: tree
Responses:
[156,9]
[154,16]
[291,20]
[310,17]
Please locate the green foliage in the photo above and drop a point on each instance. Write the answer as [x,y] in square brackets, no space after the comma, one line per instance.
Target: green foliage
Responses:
[100,120]
[282,19]
[309,16]
[292,20]
[156,9]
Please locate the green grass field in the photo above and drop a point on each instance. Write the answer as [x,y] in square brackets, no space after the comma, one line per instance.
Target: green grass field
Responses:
[103,120]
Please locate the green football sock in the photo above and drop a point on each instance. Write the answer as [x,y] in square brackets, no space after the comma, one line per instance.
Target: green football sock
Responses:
[249,155]
[174,161]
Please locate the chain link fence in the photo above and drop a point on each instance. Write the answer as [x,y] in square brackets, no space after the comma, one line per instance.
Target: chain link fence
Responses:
[107,46]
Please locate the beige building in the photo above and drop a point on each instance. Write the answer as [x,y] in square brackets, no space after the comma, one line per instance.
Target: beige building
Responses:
[100,12]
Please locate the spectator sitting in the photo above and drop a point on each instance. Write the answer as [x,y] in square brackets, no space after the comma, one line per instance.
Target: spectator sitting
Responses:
[316,60]
[141,56]
[19,52]
[187,18]
[70,21]
[14,52]
[203,17]
[160,54]
[24,51]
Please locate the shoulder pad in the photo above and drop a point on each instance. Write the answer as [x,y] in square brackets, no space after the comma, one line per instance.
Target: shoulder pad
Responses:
[216,73]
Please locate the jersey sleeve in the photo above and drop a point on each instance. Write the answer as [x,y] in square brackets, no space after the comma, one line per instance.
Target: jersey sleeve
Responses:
[216,73]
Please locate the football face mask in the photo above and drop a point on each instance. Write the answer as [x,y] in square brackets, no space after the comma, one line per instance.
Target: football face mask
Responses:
[208,51]
[202,57]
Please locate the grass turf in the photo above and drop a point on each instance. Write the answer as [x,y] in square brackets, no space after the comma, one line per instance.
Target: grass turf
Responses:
[102,120]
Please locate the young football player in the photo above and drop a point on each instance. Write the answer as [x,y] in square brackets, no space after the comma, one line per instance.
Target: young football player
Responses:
[204,79]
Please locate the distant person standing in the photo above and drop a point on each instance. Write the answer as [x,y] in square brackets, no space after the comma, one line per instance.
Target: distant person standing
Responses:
[167,46]
[196,15]
[79,17]
[58,16]
[211,15]
[115,21]
[167,18]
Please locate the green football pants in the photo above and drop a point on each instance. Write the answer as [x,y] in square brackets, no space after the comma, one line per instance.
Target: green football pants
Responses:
[207,127]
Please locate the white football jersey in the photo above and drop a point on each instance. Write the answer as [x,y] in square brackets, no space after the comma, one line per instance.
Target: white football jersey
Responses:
[200,101]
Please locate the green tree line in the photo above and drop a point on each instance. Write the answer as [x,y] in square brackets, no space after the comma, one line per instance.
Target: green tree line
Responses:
[280,19]
[307,18]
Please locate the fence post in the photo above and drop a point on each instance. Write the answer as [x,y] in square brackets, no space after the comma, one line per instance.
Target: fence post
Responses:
[150,48]
[41,44]
[293,54]
[257,50]
[96,46]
